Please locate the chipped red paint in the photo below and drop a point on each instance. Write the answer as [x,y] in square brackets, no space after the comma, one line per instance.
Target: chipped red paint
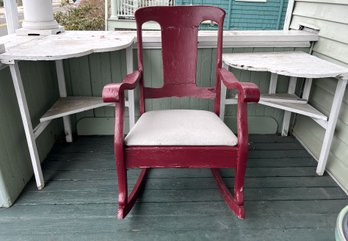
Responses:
[179,27]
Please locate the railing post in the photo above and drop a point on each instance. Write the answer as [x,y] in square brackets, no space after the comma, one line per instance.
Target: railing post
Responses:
[38,14]
[114,7]
[38,18]
[288,15]
[11,14]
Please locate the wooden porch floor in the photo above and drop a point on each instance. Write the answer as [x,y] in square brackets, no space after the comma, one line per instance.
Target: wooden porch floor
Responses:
[285,200]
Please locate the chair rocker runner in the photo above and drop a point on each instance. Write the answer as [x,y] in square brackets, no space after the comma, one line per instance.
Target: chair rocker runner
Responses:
[181,138]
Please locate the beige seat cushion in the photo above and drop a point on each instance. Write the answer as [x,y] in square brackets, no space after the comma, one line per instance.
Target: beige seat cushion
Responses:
[180,128]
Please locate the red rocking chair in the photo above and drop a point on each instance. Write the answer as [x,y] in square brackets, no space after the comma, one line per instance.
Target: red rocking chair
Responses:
[181,138]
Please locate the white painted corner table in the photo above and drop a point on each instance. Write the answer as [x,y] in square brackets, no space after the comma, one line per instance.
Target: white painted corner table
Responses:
[295,65]
[69,44]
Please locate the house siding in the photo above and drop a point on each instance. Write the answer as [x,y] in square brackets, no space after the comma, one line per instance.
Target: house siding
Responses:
[332,20]
[248,15]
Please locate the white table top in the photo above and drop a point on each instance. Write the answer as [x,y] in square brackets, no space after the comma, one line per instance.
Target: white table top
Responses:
[62,46]
[296,64]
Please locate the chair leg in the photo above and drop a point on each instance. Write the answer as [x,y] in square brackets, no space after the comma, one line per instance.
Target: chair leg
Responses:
[231,202]
[125,207]
[122,189]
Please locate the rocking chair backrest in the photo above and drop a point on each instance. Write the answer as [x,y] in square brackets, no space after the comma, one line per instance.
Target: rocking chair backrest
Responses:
[179,30]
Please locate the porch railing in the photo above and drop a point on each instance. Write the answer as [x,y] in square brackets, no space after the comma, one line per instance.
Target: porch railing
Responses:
[125,8]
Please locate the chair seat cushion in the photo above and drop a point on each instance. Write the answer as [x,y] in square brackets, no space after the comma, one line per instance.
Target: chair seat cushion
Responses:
[180,128]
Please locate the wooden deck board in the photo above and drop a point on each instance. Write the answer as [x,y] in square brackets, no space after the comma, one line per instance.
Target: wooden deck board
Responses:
[285,200]
[194,235]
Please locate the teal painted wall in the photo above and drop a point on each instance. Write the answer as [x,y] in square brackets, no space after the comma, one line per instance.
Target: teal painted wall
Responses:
[248,15]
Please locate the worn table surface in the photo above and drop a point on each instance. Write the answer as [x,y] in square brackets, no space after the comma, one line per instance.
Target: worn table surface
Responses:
[296,64]
[62,46]
[303,65]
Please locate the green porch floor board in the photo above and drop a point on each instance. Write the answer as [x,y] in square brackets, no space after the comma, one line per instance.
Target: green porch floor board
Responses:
[190,183]
[106,174]
[169,209]
[83,161]
[146,224]
[285,199]
[195,235]
[181,195]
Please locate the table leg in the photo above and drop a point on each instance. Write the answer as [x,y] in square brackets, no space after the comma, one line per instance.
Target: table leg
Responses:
[307,89]
[223,101]
[223,97]
[273,83]
[63,93]
[287,114]
[28,127]
[131,108]
[330,130]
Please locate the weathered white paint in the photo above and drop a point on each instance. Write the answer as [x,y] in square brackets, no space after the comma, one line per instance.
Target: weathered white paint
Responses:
[287,114]
[42,32]
[288,14]
[322,123]
[106,14]
[113,8]
[130,102]
[335,110]
[71,105]
[75,43]
[273,83]
[283,97]
[69,44]
[54,47]
[298,64]
[271,38]
[330,16]
[298,108]
[11,15]
[223,96]
[40,128]
[63,93]
[38,15]
[152,39]
[307,88]
[28,128]
[294,64]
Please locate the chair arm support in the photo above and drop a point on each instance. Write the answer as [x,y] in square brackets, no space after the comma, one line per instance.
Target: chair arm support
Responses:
[112,92]
[248,92]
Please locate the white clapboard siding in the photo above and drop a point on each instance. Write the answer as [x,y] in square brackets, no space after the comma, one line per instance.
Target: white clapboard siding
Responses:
[332,20]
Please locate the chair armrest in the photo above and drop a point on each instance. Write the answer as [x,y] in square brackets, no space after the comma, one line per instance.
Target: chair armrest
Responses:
[248,92]
[112,92]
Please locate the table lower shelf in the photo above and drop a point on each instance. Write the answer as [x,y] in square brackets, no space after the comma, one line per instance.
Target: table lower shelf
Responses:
[283,97]
[299,108]
[72,105]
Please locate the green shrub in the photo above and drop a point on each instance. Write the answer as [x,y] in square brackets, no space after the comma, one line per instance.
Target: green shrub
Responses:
[88,15]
